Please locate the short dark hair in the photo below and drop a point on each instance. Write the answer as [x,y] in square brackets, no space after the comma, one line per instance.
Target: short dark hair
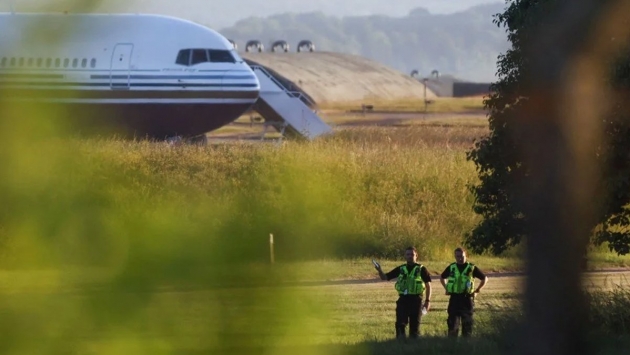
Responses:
[412,248]
[461,250]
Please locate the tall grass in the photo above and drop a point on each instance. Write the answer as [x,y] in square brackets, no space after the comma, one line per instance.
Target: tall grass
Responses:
[358,194]
[610,311]
[101,239]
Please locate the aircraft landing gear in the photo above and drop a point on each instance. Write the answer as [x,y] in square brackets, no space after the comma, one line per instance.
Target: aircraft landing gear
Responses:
[201,140]
[175,140]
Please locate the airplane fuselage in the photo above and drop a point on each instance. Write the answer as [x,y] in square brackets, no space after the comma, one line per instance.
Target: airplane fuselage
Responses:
[138,75]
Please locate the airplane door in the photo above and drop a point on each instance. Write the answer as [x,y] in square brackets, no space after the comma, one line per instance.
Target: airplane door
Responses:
[120,66]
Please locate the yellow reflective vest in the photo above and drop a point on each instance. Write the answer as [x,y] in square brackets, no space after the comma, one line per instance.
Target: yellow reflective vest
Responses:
[410,282]
[461,283]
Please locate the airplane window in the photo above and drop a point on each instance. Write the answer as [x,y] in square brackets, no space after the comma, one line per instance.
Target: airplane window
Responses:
[84,63]
[29,62]
[221,56]
[75,62]
[4,61]
[183,57]
[93,63]
[57,62]
[48,62]
[66,62]
[39,62]
[199,56]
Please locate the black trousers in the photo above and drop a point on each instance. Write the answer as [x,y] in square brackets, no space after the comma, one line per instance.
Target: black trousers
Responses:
[460,313]
[408,312]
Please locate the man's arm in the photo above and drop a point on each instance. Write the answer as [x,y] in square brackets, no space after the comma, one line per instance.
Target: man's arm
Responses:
[390,275]
[443,279]
[381,273]
[484,279]
[426,277]
[427,297]
[482,284]
[443,282]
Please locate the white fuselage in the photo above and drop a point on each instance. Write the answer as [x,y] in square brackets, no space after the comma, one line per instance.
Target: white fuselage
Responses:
[150,75]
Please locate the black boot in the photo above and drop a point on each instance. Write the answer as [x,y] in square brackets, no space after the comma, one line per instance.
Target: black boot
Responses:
[400,332]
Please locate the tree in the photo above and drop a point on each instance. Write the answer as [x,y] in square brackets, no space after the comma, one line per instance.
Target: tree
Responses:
[498,164]
[500,167]
[615,220]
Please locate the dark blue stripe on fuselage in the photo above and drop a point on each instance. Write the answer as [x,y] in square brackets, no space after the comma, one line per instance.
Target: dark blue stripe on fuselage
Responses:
[243,85]
[29,76]
[69,70]
[173,77]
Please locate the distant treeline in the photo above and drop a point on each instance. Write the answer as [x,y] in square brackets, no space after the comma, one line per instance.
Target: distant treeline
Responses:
[464,44]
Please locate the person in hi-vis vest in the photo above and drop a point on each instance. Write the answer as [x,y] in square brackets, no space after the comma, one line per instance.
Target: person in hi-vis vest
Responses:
[458,280]
[412,281]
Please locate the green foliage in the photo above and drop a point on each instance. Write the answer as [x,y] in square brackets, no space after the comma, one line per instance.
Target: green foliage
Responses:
[610,311]
[464,44]
[616,217]
[497,156]
[608,320]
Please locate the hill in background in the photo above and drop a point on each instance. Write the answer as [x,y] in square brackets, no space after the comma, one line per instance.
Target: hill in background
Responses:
[464,44]
[222,13]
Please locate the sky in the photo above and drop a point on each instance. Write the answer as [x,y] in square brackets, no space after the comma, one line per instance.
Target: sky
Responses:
[219,14]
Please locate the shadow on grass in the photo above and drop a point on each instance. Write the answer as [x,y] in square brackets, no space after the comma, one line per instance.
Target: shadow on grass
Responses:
[426,346]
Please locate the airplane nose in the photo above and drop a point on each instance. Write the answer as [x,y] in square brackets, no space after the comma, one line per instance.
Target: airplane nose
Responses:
[240,83]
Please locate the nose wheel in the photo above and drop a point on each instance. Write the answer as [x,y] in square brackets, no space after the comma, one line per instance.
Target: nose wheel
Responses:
[201,140]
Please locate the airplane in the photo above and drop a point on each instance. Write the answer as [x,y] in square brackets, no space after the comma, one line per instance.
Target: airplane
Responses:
[138,75]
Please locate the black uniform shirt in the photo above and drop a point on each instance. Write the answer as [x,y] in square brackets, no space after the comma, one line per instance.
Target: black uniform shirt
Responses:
[424,273]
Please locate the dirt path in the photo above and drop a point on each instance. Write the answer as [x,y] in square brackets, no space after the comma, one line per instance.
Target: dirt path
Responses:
[399,118]
[594,276]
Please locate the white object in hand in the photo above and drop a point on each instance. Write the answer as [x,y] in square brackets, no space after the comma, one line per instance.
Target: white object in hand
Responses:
[424,310]
[376,265]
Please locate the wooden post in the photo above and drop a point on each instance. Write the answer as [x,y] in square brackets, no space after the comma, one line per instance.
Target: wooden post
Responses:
[271,247]
[425,80]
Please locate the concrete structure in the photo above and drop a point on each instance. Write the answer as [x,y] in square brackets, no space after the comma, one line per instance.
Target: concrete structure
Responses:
[449,86]
[336,77]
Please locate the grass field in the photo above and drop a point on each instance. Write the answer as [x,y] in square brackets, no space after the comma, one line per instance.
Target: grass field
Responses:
[44,316]
[112,246]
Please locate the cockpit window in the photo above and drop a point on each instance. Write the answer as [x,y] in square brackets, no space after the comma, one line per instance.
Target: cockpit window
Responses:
[199,56]
[183,58]
[195,56]
[221,56]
